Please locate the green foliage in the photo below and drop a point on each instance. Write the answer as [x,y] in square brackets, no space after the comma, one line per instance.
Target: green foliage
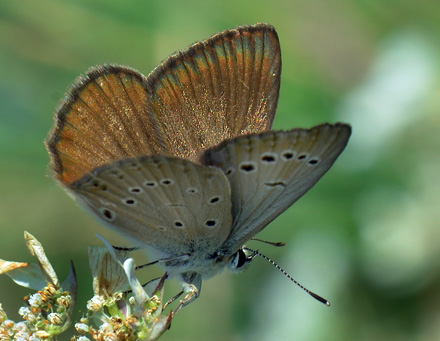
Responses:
[366,237]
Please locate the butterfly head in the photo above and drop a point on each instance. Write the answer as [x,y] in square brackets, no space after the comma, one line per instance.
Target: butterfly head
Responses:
[241,260]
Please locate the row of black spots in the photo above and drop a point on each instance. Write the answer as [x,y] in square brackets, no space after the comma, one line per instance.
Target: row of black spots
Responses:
[157,162]
[99,185]
[210,223]
[164,182]
[271,158]
[137,167]
[292,155]
[117,174]
[213,200]
[310,161]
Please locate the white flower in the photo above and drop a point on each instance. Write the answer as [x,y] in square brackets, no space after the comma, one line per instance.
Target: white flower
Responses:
[96,303]
[83,338]
[42,334]
[22,327]
[55,318]
[36,300]
[82,328]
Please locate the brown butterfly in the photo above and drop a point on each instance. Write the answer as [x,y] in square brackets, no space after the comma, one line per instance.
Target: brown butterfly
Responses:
[183,161]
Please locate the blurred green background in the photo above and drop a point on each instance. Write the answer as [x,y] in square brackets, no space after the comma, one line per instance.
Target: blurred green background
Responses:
[367,237]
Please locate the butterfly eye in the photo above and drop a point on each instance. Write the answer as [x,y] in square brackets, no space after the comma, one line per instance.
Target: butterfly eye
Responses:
[239,261]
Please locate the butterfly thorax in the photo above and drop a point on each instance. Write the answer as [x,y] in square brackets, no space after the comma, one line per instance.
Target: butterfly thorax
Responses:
[207,265]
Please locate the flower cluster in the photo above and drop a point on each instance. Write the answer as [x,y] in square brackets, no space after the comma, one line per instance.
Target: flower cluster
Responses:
[47,312]
[111,314]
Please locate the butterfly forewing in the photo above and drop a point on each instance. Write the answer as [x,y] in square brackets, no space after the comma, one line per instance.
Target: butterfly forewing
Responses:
[104,118]
[161,202]
[268,172]
[219,88]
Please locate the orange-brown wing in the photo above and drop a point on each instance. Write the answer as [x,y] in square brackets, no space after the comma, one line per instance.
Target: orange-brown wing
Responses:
[103,118]
[219,88]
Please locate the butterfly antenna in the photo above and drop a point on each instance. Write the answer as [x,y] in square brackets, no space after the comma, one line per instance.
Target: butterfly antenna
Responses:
[277,244]
[315,296]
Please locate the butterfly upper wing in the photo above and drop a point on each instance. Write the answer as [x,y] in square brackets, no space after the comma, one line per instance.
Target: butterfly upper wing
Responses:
[219,88]
[103,118]
[268,172]
[160,201]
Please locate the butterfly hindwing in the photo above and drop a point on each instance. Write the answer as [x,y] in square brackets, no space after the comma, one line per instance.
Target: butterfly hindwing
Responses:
[160,201]
[268,172]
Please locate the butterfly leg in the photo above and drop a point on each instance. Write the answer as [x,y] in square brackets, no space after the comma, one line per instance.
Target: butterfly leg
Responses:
[192,285]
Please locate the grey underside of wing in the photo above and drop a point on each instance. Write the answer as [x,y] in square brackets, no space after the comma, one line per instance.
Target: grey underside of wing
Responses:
[172,205]
[268,172]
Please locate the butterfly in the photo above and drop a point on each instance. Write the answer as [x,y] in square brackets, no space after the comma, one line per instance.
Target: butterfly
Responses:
[183,161]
